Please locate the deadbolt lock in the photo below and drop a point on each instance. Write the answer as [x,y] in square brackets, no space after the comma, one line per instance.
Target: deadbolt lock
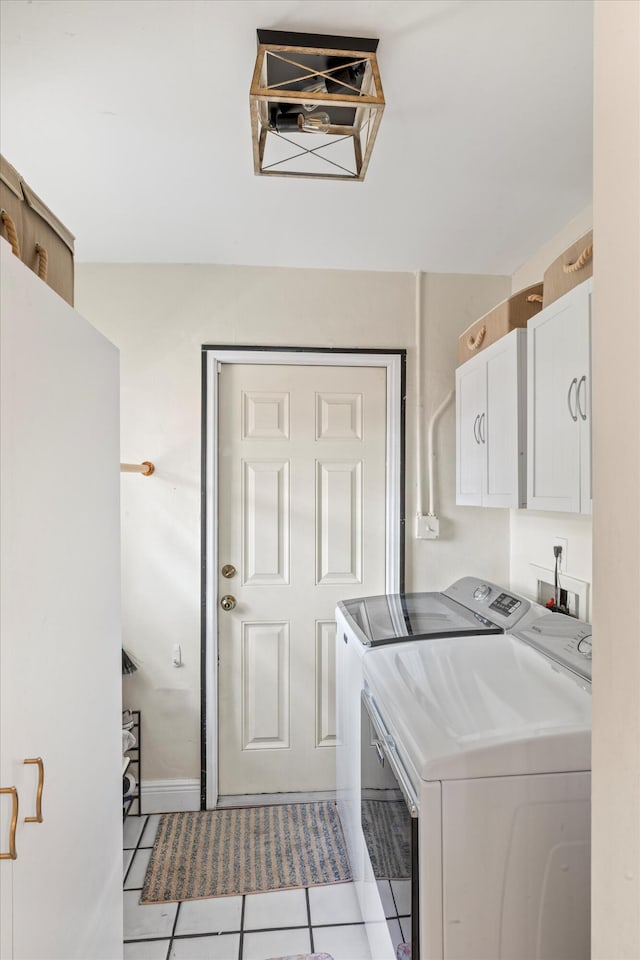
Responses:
[228,571]
[228,602]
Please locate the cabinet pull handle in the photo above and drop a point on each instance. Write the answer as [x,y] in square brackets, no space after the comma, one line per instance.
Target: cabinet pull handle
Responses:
[581,383]
[574,383]
[475,428]
[483,436]
[11,855]
[38,816]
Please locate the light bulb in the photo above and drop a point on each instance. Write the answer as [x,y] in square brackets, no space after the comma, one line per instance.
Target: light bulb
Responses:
[316,86]
[298,123]
[317,123]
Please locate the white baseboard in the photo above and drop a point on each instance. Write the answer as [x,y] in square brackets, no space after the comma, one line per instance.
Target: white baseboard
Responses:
[269,799]
[173,796]
[170,796]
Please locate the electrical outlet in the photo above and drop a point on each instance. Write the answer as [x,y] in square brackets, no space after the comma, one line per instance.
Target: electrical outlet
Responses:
[563,544]
[546,592]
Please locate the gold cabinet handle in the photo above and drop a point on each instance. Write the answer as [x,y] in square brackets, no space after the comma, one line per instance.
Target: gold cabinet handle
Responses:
[38,816]
[11,855]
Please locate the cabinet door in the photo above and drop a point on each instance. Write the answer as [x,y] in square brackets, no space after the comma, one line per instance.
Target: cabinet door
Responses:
[503,429]
[584,402]
[470,452]
[554,367]
[60,671]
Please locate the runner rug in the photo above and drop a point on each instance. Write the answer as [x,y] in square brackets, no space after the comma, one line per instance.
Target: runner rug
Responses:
[223,853]
[387,832]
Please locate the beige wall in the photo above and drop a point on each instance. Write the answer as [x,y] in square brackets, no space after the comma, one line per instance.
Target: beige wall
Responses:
[473,540]
[616,519]
[159,316]
[532,270]
[532,532]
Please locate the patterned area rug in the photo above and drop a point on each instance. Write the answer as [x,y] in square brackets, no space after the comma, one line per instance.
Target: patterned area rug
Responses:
[223,853]
[388,837]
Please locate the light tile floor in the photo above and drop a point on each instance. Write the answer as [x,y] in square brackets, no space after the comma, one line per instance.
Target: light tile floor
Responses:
[252,927]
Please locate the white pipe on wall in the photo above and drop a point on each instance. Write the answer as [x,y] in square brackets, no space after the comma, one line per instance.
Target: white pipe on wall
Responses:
[430,452]
[419,396]
[431,512]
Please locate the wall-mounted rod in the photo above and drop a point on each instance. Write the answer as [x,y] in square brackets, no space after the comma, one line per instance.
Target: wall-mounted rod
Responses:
[146,468]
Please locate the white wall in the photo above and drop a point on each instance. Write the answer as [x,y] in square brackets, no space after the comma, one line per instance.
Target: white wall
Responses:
[533,532]
[159,316]
[616,520]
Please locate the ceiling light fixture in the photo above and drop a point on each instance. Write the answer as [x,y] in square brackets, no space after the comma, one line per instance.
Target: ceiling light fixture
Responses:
[316,105]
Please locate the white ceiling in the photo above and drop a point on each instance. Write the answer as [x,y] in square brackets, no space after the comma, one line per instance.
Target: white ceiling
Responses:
[130,118]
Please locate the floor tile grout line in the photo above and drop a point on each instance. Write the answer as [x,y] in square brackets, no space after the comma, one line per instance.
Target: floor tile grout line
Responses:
[241,939]
[135,850]
[126,889]
[210,936]
[173,931]
[339,923]
[306,894]
[137,843]
[145,939]
[231,933]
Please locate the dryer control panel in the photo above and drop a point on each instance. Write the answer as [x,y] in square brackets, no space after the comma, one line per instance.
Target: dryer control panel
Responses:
[561,638]
[494,603]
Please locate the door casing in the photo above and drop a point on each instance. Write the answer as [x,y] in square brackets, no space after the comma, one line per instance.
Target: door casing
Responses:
[394,361]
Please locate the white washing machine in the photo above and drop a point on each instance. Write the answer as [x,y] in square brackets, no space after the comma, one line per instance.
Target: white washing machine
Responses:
[488,741]
[368,625]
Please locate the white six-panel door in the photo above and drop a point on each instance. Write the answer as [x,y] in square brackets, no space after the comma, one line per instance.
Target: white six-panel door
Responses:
[301,516]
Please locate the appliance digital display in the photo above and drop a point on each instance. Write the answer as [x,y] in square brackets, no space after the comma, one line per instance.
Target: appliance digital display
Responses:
[505,604]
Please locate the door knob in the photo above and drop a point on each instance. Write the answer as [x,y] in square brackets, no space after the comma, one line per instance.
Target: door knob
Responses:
[228,602]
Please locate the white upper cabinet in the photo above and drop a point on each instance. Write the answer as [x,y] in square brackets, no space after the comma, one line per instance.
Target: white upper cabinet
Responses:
[491,425]
[559,404]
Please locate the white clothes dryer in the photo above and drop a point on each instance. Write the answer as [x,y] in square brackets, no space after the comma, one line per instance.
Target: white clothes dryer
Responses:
[489,743]
[366,625]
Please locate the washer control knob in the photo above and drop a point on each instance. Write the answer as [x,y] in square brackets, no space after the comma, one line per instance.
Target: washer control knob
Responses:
[584,647]
[482,592]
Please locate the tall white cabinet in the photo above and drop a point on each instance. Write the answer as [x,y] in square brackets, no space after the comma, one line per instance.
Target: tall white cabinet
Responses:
[559,404]
[491,425]
[60,661]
